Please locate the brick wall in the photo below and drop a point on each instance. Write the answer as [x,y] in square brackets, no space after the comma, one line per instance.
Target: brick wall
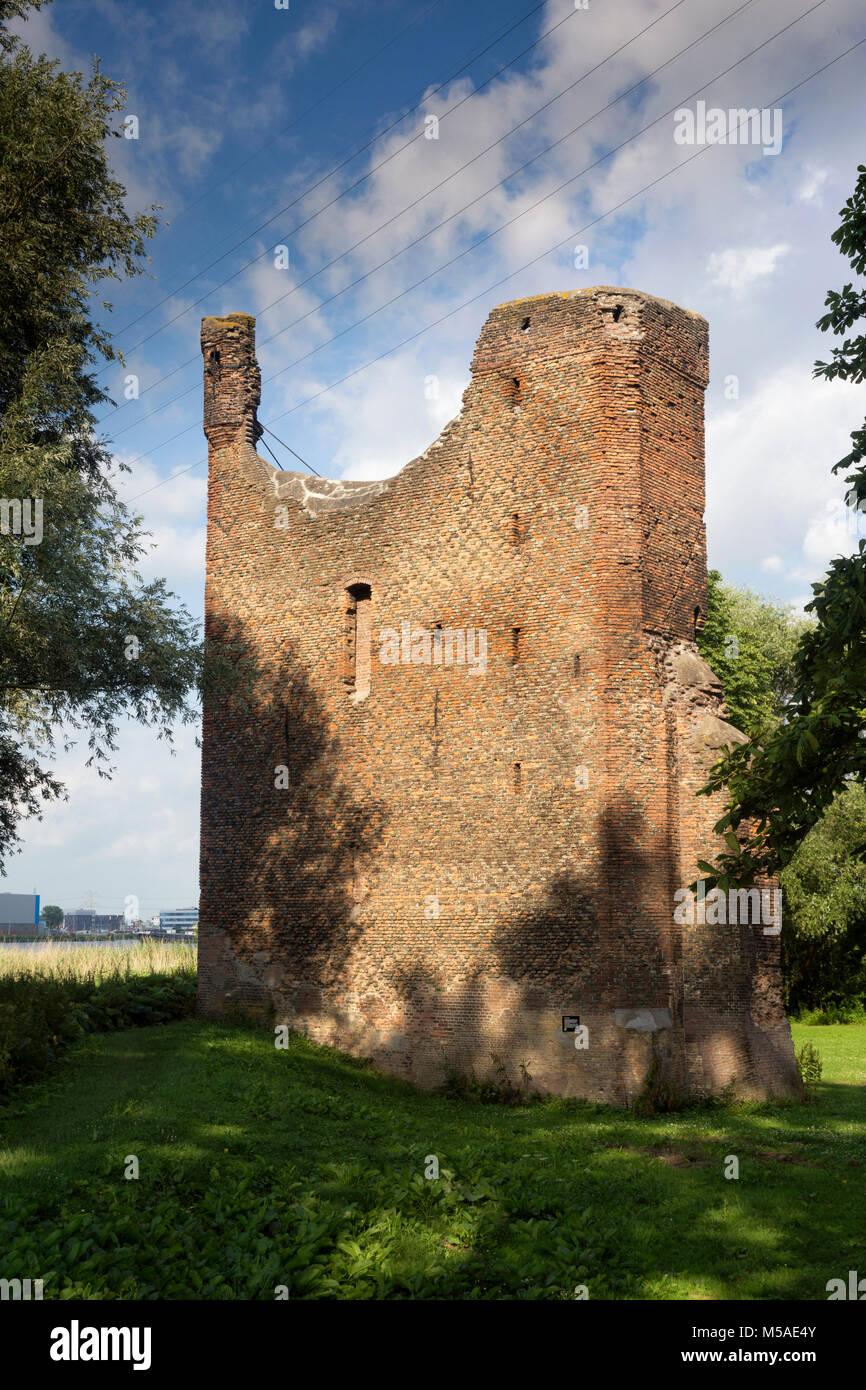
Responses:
[430,861]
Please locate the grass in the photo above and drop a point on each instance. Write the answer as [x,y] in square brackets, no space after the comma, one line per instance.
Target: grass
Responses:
[98,962]
[51,998]
[842,1048]
[261,1168]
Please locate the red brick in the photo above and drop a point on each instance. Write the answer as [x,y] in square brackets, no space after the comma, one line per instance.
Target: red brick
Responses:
[443,783]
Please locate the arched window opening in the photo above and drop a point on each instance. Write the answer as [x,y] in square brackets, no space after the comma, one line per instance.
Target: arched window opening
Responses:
[357,660]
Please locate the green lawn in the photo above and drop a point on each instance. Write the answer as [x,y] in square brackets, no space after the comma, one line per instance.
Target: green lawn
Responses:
[261,1168]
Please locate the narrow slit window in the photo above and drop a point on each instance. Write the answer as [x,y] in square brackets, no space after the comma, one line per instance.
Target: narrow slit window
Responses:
[511,387]
[515,528]
[517,777]
[357,661]
[515,645]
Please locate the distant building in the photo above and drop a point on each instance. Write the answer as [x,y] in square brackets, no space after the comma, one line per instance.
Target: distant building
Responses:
[19,915]
[180,919]
[85,919]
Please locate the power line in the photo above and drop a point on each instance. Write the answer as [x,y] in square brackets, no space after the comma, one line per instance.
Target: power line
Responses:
[330,174]
[533,206]
[272,454]
[190,360]
[481,241]
[306,112]
[291,451]
[344,192]
[504,280]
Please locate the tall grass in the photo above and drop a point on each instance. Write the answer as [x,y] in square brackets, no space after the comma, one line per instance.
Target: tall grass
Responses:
[56,994]
[95,963]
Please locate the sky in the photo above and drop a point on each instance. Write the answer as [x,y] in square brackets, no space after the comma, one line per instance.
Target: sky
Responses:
[302,178]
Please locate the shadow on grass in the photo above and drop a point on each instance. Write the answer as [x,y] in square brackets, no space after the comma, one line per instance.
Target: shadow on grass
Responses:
[555,1191]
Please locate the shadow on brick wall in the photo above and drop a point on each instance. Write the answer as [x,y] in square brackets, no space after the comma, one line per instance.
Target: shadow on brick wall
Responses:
[283,834]
[593,941]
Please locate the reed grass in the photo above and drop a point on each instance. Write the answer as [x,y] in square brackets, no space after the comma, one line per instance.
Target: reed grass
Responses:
[95,962]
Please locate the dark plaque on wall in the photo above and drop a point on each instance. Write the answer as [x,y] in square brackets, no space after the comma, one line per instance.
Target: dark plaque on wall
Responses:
[570,1023]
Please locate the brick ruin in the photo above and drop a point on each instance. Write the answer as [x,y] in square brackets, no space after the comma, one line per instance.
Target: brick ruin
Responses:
[452,811]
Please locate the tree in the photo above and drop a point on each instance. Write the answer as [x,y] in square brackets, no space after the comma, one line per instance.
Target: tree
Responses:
[83,640]
[779,785]
[824,886]
[51,916]
[750,641]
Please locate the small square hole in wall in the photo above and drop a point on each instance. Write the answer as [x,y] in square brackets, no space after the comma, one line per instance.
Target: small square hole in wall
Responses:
[511,388]
[524,327]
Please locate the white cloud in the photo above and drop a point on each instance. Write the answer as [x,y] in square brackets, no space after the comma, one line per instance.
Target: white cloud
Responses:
[710,234]
[162,834]
[769,460]
[134,833]
[314,35]
[737,270]
[835,530]
[810,189]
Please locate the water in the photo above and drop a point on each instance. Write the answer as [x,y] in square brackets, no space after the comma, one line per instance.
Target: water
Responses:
[37,945]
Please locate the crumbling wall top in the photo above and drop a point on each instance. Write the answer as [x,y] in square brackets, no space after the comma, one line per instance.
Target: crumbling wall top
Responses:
[550,325]
[232,380]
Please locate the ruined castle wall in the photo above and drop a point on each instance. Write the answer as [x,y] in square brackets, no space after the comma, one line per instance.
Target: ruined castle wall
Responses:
[430,863]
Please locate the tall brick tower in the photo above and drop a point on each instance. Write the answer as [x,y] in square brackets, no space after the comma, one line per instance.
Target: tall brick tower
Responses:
[452,812]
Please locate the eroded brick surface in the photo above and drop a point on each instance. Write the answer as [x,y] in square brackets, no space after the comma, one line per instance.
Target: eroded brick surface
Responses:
[457,855]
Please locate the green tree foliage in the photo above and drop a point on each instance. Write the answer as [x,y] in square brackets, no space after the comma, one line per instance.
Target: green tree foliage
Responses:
[824,938]
[779,787]
[52,916]
[83,640]
[750,641]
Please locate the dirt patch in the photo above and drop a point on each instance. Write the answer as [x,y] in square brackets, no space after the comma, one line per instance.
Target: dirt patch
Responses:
[780,1156]
[676,1158]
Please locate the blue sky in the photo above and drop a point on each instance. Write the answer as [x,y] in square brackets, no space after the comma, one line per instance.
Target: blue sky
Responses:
[305,127]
